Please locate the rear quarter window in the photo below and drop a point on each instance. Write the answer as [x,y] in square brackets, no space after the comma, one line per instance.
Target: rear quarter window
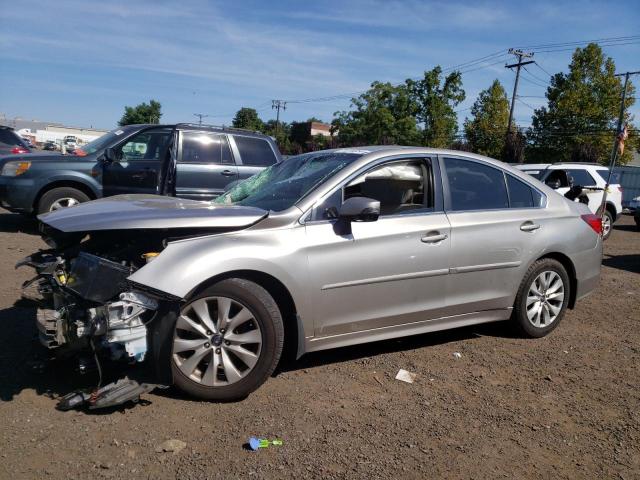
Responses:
[615,176]
[255,152]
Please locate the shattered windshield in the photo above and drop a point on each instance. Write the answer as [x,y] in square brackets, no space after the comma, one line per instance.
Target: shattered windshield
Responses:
[284,184]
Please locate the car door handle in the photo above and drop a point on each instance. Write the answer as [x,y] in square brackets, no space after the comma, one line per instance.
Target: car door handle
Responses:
[434,237]
[227,173]
[529,227]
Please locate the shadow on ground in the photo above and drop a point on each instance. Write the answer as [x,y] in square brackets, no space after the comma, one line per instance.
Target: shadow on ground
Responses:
[628,263]
[26,365]
[14,222]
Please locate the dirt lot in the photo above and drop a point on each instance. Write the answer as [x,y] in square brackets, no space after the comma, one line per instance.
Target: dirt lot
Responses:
[566,406]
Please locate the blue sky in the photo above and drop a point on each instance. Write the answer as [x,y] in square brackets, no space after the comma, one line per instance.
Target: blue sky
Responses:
[79,62]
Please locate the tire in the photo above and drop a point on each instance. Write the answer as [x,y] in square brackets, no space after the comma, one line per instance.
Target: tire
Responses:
[57,197]
[552,311]
[607,220]
[219,373]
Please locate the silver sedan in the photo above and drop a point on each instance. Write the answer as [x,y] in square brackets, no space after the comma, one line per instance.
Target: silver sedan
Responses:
[335,248]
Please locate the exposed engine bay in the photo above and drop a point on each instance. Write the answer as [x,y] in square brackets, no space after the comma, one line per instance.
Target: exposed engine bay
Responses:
[89,309]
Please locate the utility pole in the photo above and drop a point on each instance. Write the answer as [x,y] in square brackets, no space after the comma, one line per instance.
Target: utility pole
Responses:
[277,105]
[520,54]
[616,142]
[200,117]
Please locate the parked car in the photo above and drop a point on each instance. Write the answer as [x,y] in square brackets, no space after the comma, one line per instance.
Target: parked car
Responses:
[188,161]
[50,145]
[561,176]
[322,250]
[11,143]
[70,142]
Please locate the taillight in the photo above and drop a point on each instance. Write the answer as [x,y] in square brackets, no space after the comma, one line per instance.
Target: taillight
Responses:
[78,152]
[594,221]
[19,150]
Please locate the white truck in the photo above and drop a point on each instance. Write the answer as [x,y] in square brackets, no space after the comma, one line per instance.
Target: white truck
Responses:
[591,176]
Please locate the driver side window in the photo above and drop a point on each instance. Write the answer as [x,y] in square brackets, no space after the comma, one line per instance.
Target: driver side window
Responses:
[401,187]
[148,145]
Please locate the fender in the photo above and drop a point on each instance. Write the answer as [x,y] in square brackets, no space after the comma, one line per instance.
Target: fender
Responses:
[186,264]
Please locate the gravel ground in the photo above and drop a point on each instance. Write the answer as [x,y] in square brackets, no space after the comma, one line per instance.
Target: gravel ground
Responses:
[565,406]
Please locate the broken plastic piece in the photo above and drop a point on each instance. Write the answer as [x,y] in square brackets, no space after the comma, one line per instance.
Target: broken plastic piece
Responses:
[111,395]
[256,443]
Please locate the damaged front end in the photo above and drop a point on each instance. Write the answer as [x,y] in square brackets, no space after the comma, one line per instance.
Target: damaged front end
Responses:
[88,308]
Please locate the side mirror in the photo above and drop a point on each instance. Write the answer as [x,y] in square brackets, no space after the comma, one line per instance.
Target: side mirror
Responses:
[109,155]
[360,209]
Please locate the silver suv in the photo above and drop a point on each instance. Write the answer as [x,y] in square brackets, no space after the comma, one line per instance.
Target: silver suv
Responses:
[323,250]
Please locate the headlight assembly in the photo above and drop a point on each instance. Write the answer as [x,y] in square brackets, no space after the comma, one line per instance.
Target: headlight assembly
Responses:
[13,169]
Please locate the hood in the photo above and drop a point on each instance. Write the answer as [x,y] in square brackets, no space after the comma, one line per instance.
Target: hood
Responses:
[128,212]
[40,157]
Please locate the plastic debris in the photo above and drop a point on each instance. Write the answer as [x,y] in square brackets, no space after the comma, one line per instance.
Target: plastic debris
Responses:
[457,355]
[405,376]
[172,445]
[256,443]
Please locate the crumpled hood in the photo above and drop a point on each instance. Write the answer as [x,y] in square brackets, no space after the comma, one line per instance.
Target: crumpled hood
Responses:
[127,212]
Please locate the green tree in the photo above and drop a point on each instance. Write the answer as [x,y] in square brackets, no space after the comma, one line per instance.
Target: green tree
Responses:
[248,118]
[583,107]
[142,113]
[384,114]
[434,100]
[486,130]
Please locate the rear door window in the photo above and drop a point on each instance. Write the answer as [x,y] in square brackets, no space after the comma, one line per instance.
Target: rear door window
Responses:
[581,177]
[475,186]
[9,138]
[206,148]
[255,152]
[522,195]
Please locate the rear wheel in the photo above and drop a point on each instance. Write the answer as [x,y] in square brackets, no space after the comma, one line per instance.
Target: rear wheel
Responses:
[61,197]
[542,298]
[607,224]
[226,341]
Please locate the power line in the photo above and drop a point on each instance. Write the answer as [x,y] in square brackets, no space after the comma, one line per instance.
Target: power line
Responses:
[535,76]
[581,42]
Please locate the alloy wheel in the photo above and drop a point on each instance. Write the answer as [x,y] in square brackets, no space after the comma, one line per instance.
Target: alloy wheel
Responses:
[606,225]
[63,203]
[217,341]
[545,299]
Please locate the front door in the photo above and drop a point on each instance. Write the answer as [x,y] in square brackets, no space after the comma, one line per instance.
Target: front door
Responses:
[205,165]
[388,272]
[139,164]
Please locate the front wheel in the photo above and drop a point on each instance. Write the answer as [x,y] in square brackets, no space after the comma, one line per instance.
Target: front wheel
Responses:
[542,298]
[61,197]
[226,341]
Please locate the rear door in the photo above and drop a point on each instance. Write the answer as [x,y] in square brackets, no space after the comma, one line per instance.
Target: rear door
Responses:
[205,165]
[583,178]
[139,165]
[495,220]
[254,154]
